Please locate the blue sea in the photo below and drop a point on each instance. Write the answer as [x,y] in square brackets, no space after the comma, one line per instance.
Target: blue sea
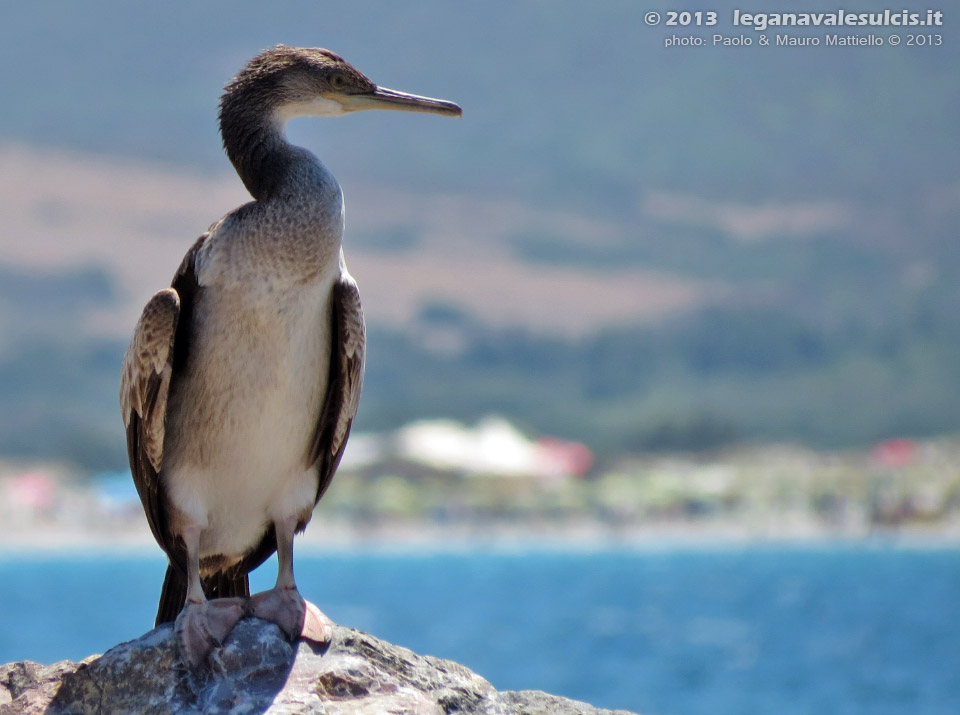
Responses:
[769,630]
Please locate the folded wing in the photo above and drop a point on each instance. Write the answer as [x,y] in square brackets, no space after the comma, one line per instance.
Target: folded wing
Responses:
[345,382]
[144,387]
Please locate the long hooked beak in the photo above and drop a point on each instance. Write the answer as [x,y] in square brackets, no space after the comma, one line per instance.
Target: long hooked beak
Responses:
[383,98]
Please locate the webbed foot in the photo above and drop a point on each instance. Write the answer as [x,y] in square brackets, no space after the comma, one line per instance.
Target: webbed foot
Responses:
[296,617]
[202,626]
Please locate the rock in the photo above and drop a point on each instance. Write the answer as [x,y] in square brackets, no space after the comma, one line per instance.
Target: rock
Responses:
[258,671]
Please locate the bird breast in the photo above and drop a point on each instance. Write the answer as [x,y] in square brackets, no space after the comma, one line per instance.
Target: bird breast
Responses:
[243,413]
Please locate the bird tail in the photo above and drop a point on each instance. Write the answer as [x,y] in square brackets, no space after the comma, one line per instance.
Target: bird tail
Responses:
[173,594]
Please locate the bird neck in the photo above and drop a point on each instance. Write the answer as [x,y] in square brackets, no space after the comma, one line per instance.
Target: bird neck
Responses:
[254,139]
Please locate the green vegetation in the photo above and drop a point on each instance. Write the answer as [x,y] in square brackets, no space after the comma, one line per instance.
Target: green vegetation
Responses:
[720,377]
[725,375]
[831,337]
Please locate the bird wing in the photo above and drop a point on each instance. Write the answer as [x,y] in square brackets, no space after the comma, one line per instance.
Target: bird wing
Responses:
[348,348]
[156,352]
[144,386]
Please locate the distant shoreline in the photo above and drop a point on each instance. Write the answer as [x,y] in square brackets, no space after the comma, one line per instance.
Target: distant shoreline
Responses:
[498,538]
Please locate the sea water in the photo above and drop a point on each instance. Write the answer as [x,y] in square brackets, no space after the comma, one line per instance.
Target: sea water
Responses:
[774,630]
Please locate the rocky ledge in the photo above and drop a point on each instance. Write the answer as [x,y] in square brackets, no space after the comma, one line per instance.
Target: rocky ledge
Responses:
[258,671]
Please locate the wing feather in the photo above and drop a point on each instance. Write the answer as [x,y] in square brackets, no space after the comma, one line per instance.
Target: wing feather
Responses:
[348,351]
[144,387]
[157,352]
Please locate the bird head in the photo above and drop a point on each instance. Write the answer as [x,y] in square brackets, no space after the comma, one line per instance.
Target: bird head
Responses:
[291,82]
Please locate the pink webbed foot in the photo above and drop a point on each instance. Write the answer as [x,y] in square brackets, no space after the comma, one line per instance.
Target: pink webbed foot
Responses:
[296,617]
[316,625]
[201,627]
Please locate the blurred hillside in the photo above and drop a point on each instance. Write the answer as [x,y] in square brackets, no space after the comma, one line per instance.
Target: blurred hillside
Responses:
[633,247]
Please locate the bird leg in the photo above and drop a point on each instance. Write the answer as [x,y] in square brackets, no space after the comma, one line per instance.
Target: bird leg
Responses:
[202,625]
[283,604]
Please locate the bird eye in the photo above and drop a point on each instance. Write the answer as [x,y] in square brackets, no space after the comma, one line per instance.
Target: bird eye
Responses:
[338,81]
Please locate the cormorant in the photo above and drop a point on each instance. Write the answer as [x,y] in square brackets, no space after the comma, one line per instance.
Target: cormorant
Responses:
[242,379]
